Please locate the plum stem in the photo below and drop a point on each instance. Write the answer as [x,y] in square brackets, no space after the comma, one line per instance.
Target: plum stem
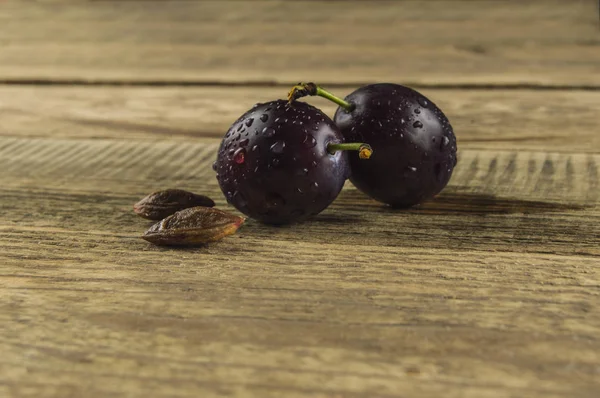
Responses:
[311,89]
[364,150]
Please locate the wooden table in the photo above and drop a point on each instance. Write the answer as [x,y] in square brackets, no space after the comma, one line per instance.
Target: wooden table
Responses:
[490,290]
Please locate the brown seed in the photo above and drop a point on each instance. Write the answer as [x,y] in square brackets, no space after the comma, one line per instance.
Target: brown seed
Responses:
[161,204]
[194,226]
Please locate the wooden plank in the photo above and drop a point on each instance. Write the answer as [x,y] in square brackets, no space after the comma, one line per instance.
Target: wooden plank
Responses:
[536,42]
[86,315]
[523,190]
[491,290]
[557,121]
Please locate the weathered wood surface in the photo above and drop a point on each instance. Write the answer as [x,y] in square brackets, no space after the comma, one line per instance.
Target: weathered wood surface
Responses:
[538,42]
[491,290]
[557,121]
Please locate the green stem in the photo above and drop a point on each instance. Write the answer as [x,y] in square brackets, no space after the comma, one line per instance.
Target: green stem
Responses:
[321,92]
[364,150]
[305,89]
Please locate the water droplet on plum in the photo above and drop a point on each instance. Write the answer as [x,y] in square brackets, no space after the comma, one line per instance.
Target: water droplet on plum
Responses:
[269,132]
[278,147]
[417,124]
[309,141]
[239,156]
[264,117]
[445,141]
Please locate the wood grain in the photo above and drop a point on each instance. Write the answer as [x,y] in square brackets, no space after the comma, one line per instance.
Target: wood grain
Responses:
[557,121]
[488,42]
[490,290]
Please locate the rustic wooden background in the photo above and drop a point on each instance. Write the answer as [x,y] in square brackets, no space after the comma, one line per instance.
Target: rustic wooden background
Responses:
[490,290]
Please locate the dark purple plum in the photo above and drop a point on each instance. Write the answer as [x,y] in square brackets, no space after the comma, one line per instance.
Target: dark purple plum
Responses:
[414,146]
[275,162]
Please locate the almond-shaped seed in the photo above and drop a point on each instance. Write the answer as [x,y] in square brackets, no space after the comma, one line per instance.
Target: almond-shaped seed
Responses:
[161,204]
[193,226]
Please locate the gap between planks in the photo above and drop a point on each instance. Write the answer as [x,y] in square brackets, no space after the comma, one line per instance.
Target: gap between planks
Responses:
[287,85]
